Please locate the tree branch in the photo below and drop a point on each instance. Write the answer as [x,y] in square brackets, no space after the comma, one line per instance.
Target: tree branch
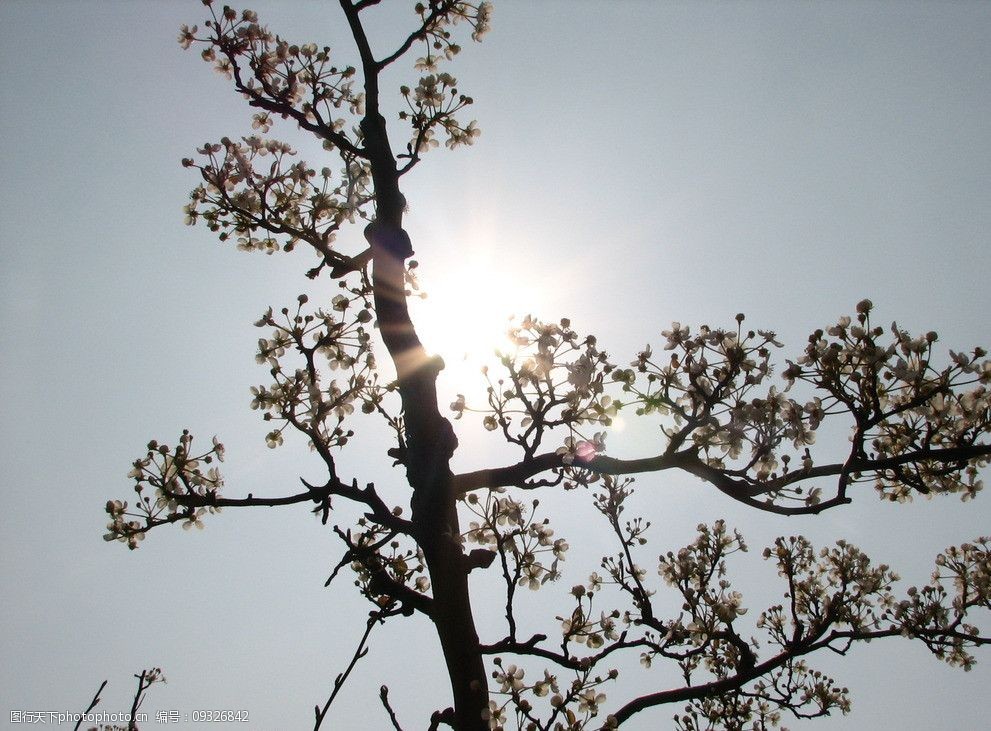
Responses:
[373,619]
[384,697]
[741,489]
[437,12]
[92,704]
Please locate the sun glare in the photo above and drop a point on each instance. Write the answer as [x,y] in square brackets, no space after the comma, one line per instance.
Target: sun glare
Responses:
[467,312]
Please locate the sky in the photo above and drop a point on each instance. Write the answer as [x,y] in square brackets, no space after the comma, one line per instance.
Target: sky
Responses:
[640,163]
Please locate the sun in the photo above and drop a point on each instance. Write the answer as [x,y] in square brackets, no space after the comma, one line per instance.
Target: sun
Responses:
[468,310]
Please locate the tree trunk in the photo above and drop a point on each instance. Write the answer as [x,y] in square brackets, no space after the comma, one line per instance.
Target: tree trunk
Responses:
[430,443]
[452,614]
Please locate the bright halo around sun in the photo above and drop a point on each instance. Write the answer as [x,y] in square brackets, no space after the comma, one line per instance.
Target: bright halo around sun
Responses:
[467,312]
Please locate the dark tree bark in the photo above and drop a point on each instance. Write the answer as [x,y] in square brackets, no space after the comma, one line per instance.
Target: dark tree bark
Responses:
[430,439]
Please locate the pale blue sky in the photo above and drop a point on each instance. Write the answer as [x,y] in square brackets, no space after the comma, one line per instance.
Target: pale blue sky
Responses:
[639,163]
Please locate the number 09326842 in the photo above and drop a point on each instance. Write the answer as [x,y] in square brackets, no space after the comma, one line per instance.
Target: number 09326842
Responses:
[219,715]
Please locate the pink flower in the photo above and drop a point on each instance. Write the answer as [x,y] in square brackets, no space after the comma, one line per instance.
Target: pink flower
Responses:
[584,451]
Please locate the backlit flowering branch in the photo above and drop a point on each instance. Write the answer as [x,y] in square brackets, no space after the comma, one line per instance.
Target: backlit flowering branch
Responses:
[437,18]
[292,81]
[432,105]
[529,555]
[834,598]
[183,487]
[255,193]
[924,428]
[572,706]
[554,379]
[389,573]
[302,396]
[435,100]
[915,428]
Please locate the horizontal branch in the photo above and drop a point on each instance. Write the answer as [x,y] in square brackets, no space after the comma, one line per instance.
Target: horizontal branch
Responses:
[320,494]
[531,647]
[739,679]
[742,489]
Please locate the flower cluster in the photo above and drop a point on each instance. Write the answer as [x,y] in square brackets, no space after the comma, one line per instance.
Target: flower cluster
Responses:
[572,705]
[301,83]
[805,692]
[184,487]
[905,409]
[386,569]
[530,554]
[432,105]
[555,379]
[698,571]
[582,627]
[437,39]
[837,587]
[961,584]
[914,427]
[297,81]
[255,193]
[301,395]
[834,598]
[706,390]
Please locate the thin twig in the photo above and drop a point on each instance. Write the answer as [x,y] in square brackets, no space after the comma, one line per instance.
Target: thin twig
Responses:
[360,652]
[384,696]
[92,704]
[145,680]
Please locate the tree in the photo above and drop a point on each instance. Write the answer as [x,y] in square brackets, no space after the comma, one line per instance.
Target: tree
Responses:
[915,427]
